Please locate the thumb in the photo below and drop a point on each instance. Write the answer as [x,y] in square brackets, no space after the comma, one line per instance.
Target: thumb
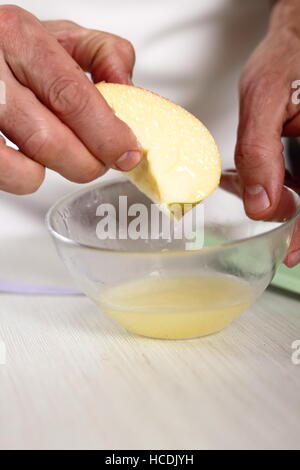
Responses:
[258,153]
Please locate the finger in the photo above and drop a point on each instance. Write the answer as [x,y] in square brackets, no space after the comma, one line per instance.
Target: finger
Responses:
[286,207]
[41,136]
[259,149]
[230,181]
[107,56]
[18,174]
[57,81]
[293,257]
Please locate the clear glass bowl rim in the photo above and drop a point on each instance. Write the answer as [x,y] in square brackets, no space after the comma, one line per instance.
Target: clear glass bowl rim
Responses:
[214,248]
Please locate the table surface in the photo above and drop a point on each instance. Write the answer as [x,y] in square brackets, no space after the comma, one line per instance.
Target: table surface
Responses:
[74,379]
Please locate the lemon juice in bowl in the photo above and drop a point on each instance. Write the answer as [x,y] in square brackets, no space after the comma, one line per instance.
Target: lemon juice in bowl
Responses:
[177,306]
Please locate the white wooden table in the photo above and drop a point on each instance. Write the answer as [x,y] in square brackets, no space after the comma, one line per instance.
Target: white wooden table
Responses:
[74,379]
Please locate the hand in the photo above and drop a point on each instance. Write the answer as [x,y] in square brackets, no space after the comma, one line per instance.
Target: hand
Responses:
[53,112]
[266,114]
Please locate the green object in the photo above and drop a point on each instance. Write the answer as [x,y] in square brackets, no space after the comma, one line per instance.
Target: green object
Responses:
[285,278]
[288,279]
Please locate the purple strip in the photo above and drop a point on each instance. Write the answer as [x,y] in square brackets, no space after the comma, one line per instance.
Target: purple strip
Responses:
[16,287]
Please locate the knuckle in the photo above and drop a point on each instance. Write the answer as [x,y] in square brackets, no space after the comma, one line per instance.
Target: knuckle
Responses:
[87,175]
[10,12]
[251,156]
[58,27]
[66,97]
[11,17]
[124,47]
[119,44]
[35,143]
[260,84]
[67,24]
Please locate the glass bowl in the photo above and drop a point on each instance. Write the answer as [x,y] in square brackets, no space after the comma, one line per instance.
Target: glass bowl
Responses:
[166,278]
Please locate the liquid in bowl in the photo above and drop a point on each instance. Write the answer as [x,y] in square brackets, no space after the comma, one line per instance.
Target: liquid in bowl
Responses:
[178,306]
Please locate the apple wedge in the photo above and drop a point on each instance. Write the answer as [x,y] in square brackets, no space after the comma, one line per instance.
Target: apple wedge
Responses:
[181,163]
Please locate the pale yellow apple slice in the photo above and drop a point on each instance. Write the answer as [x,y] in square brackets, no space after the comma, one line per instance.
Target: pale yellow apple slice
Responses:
[181,162]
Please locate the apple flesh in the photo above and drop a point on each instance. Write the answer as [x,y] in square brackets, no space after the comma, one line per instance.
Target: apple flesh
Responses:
[181,161]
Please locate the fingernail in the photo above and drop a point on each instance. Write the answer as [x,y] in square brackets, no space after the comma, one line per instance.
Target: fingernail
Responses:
[129,160]
[293,259]
[256,199]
